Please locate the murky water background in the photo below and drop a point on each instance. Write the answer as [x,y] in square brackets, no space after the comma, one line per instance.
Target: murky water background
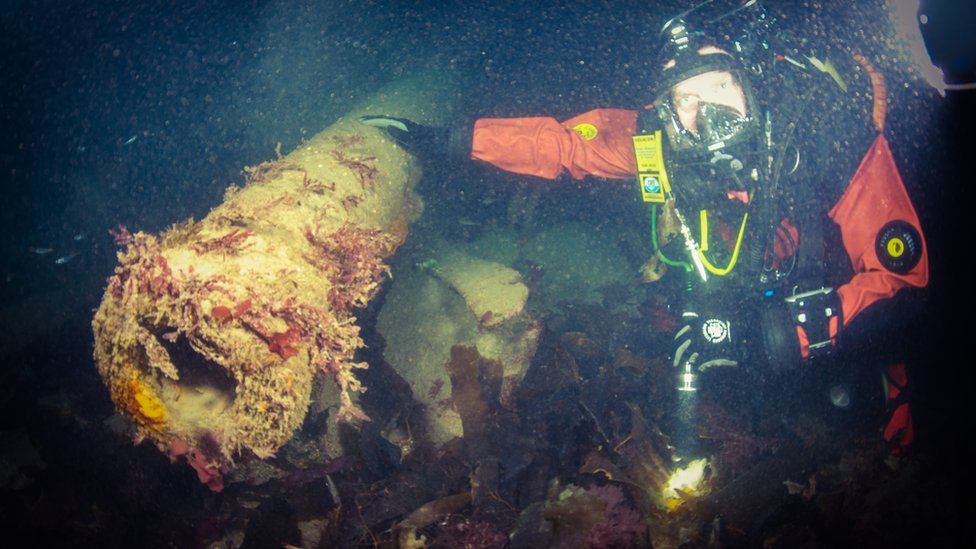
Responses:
[140,114]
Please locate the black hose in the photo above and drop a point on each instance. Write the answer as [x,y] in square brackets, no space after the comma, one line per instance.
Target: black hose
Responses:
[766,208]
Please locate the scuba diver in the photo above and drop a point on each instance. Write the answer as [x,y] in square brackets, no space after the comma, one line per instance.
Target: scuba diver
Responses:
[774,197]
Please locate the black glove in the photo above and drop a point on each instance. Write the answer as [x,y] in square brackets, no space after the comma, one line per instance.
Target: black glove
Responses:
[703,341]
[417,139]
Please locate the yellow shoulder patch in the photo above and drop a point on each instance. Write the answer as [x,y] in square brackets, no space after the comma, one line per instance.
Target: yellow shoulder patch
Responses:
[587,131]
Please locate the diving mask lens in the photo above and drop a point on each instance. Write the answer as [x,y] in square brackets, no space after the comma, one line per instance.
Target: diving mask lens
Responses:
[719,123]
[707,109]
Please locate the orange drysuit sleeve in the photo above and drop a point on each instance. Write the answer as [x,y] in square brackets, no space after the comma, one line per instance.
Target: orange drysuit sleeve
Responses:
[594,143]
[875,197]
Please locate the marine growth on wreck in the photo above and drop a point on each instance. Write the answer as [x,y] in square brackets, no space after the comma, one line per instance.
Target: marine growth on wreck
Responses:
[211,335]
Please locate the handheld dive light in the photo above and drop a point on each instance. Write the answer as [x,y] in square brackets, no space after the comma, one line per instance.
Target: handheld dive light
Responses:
[687,380]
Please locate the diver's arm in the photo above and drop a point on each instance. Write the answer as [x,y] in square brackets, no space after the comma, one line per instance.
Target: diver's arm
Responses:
[596,143]
[879,227]
[881,233]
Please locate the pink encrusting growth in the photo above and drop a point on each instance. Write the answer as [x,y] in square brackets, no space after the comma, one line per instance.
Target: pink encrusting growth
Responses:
[207,470]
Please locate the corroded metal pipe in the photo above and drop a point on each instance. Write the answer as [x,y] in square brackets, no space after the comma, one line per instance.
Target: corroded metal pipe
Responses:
[209,335]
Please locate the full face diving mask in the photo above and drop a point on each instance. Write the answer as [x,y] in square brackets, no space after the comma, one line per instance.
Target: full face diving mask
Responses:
[706,112]
[708,115]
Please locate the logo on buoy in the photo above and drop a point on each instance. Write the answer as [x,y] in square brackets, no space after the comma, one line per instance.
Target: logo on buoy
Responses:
[898,246]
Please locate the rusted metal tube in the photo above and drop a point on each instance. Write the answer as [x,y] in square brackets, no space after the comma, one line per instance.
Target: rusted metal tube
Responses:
[209,335]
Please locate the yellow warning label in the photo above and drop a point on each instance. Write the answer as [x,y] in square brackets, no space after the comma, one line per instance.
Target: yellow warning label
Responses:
[895,247]
[587,131]
[651,175]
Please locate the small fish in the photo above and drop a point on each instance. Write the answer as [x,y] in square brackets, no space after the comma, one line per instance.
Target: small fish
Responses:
[65,258]
[466,222]
[40,251]
[79,237]
[131,140]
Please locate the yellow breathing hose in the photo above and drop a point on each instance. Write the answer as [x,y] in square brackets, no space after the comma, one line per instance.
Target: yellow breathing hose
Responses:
[735,251]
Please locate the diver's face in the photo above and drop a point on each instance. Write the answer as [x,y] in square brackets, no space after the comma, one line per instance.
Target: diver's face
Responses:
[716,87]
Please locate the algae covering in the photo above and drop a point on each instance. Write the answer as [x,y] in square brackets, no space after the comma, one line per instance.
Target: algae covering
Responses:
[210,335]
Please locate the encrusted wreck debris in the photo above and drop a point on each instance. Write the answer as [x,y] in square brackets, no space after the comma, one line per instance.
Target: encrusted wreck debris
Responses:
[452,299]
[211,335]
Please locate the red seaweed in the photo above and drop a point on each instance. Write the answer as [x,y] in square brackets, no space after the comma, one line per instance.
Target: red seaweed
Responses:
[265,207]
[121,235]
[242,307]
[257,174]
[315,185]
[220,313]
[351,201]
[366,172]
[346,141]
[142,268]
[352,259]
[281,343]
[231,242]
